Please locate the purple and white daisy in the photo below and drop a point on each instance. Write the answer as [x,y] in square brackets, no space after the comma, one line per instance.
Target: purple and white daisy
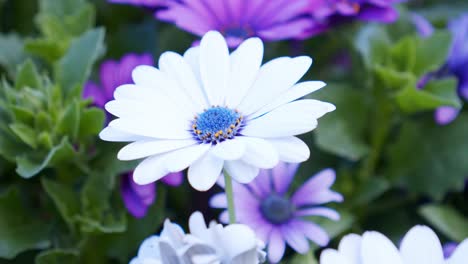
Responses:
[208,110]
[419,245]
[238,20]
[137,198]
[276,216]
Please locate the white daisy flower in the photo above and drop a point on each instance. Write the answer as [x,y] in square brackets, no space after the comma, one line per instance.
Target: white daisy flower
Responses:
[419,246]
[232,244]
[208,110]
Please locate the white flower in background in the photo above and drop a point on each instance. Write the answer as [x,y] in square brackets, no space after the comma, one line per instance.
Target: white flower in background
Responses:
[208,110]
[419,246]
[232,244]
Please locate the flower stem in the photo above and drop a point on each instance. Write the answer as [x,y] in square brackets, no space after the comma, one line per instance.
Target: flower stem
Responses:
[230,197]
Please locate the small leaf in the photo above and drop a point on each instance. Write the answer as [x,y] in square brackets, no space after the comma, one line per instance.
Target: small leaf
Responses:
[92,122]
[69,123]
[373,43]
[29,166]
[58,256]
[447,220]
[28,76]
[20,229]
[65,199]
[47,49]
[431,53]
[74,68]
[371,190]
[25,133]
[11,52]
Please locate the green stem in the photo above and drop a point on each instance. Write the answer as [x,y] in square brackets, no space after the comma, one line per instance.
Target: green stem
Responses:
[230,197]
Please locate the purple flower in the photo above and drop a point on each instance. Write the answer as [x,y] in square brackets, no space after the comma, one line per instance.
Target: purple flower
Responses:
[240,19]
[276,216]
[137,198]
[449,248]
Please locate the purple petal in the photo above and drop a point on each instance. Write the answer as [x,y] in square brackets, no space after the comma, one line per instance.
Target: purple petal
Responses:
[173,179]
[136,198]
[317,190]
[283,174]
[148,3]
[108,74]
[312,231]
[320,211]
[294,236]
[293,29]
[128,63]
[449,248]
[384,15]
[262,185]
[459,51]
[276,246]
[445,114]
[463,86]
[94,92]
[423,26]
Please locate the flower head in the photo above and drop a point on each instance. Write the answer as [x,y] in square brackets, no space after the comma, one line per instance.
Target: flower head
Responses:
[137,198]
[420,245]
[209,110]
[232,244]
[240,19]
[278,218]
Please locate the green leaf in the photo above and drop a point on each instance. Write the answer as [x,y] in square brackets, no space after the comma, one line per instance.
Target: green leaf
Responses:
[373,43]
[65,199]
[430,159]
[370,190]
[431,53]
[435,94]
[92,122]
[403,54]
[342,131]
[11,52]
[60,8]
[69,123]
[29,166]
[447,220]
[308,258]
[25,133]
[20,229]
[58,256]
[74,68]
[392,78]
[48,49]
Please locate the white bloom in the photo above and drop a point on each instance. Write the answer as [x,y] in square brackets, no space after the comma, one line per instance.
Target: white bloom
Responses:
[208,110]
[232,244]
[419,246]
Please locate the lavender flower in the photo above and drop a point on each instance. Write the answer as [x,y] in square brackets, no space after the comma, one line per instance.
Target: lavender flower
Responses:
[240,19]
[277,217]
[137,198]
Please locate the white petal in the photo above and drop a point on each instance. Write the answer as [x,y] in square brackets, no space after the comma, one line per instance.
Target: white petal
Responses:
[376,248]
[214,66]
[291,119]
[159,110]
[232,149]
[152,78]
[239,239]
[421,245]
[180,71]
[192,57]
[202,174]
[331,256]
[350,247]
[297,91]
[241,171]
[115,135]
[274,78]
[181,159]
[145,148]
[290,149]
[245,64]
[149,249]
[259,153]
[460,255]
[150,170]
[163,129]
[197,225]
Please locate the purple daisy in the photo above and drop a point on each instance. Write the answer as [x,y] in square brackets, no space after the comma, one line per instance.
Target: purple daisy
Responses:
[276,216]
[240,19]
[137,198]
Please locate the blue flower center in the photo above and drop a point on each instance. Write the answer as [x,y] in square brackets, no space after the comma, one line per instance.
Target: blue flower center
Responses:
[237,32]
[217,124]
[277,209]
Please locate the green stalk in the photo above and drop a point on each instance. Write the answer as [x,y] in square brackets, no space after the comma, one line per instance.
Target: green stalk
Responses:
[230,197]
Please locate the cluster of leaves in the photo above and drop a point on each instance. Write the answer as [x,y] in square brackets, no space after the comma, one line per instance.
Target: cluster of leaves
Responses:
[58,183]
